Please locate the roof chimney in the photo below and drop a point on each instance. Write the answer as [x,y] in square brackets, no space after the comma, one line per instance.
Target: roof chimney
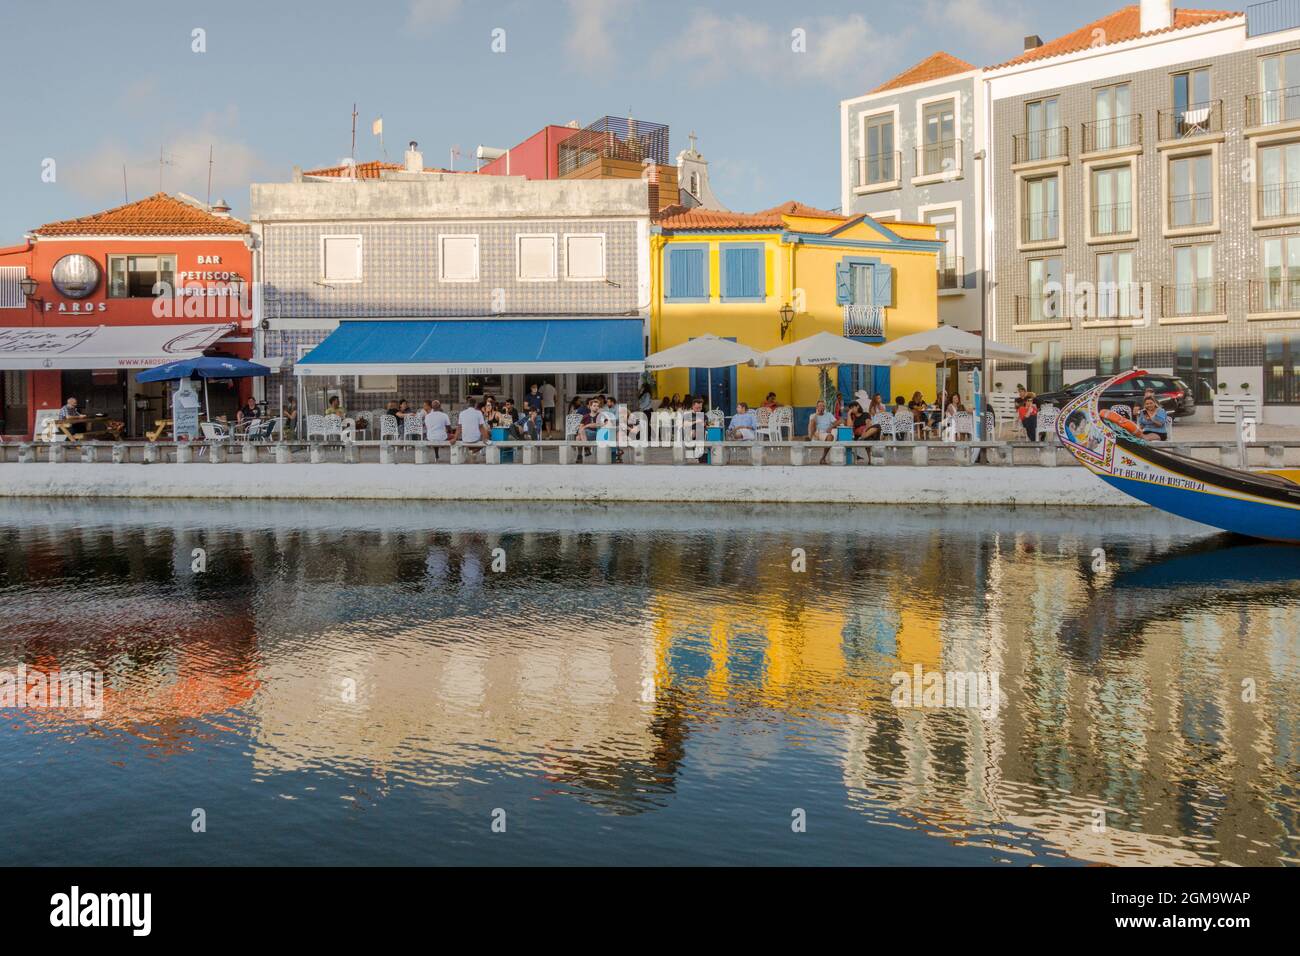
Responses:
[221,208]
[414,158]
[1156,15]
[1033,42]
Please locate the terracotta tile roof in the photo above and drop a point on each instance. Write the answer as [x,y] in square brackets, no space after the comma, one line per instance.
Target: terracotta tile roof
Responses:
[158,215]
[373,169]
[679,217]
[933,67]
[1123,24]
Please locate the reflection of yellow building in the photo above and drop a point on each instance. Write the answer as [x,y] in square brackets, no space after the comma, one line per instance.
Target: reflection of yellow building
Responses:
[731,274]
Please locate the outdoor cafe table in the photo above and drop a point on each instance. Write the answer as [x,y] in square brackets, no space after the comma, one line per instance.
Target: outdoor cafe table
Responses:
[95,425]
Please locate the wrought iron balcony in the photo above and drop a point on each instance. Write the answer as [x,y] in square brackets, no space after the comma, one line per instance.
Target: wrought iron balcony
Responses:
[864,320]
[1190,210]
[1278,294]
[1042,307]
[615,138]
[952,272]
[878,169]
[1112,219]
[935,159]
[1279,201]
[1040,227]
[1273,107]
[1206,297]
[1036,144]
[1118,132]
[1195,119]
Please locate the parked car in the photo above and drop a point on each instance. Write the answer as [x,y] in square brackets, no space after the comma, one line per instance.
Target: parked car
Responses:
[1173,394]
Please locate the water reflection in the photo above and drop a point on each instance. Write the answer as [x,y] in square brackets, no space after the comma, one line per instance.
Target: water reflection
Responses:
[654,664]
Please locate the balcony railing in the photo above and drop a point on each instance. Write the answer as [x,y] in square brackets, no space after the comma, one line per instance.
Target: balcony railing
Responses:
[878,169]
[1279,294]
[934,159]
[1206,297]
[1195,119]
[1040,227]
[1190,210]
[1037,144]
[617,138]
[952,272]
[864,320]
[1118,132]
[1112,219]
[1116,300]
[1049,307]
[1272,107]
[1279,200]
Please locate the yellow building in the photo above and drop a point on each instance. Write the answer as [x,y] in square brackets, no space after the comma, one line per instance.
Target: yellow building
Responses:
[773,277]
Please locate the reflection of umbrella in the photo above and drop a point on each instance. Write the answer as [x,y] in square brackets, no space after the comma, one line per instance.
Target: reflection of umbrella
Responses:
[705,351]
[204,367]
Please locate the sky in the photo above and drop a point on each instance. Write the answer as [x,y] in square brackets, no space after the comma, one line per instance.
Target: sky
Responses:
[94,87]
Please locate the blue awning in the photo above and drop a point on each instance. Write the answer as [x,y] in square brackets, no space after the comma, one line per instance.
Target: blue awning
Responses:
[478,347]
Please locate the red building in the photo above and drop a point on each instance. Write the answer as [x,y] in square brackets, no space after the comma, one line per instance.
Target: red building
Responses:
[81,310]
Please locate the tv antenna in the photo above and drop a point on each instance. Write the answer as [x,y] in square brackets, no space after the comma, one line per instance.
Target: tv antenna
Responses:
[163,160]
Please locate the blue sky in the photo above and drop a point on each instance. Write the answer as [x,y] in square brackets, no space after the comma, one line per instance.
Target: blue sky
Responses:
[95,86]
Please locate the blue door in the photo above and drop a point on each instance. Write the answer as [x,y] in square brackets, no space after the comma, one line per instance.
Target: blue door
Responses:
[872,379]
[723,383]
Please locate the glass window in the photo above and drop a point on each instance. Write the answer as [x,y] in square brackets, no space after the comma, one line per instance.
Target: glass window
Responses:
[938,154]
[945,227]
[1279,84]
[1194,364]
[1279,180]
[1282,273]
[1191,191]
[1116,290]
[1112,111]
[1045,294]
[878,150]
[1112,201]
[1114,355]
[1043,125]
[1045,367]
[1282,368]
[1041,209]
[134,277]
[1194,286]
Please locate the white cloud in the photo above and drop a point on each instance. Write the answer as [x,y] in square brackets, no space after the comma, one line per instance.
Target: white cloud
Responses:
[424,13]
[838,50]
[97,174]
[590,42]
[993,31]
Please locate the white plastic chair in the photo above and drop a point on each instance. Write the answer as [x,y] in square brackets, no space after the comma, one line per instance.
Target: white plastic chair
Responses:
[1123,410]
[715,418]
[904,427]
[413,428]
[964,424]
[572,421]
[318,427]
[334,427]
[886,423]
[990,426]
[388,427]
[1047,421]
[782,417]
[213,431]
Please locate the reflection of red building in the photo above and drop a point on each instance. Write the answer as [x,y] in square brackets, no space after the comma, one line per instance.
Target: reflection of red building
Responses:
[101,270]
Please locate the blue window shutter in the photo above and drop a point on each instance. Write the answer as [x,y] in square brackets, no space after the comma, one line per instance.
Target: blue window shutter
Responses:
[686,274]
[883,285]
[843,285]
[743,273]
[731,277]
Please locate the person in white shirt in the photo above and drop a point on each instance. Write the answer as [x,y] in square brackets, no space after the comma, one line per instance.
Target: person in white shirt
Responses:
[436,425]
[472,427]
[548,406]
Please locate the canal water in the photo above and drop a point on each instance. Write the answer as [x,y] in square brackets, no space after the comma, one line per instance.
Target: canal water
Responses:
[535,683]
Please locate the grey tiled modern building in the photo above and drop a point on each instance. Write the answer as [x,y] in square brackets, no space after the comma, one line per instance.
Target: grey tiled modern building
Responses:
[1145,182]
[499,255]
[907,153]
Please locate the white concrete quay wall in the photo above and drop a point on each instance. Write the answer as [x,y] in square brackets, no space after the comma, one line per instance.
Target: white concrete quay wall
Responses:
[860,484]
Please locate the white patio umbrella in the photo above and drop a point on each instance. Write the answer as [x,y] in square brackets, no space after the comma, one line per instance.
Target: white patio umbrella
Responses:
[706,352]
[946,343]
[826,349]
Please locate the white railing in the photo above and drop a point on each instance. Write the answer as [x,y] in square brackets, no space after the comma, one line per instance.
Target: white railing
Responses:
[864,320]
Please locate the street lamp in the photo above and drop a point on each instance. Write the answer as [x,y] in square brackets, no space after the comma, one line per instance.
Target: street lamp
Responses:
[787,317]
[28,286]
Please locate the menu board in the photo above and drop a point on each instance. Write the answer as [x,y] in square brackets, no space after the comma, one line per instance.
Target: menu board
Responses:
[185,410]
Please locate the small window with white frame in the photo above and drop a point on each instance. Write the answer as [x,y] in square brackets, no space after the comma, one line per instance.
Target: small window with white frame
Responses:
[458,258]
[584,257]
[340,258]
[376,383]
[535,255]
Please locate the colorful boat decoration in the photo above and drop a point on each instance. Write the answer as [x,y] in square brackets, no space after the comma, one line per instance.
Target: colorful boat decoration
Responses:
[1261,504]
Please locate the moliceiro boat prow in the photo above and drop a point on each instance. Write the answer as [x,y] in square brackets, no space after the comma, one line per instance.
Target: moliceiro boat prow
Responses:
[1261,504]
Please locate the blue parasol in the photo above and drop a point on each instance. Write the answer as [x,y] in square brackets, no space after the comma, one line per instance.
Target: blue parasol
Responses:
[205,366]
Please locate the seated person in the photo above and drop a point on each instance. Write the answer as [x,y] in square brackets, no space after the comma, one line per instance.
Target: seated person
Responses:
[1153,420]
[70,410]
[744,425]
[248,413]
[821,427]
[860,422]
[770,402]
[471,428]
[335,407]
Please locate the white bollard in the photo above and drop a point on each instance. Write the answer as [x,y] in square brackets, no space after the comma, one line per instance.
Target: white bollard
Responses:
[217,453]
[58,451]
[184,453]
[532,454]
[458,454]
[121,453]
[151,456]
[282,454]
[567,454]
[493,454]
[920,455]
[1047,456]
[604,454]
[1229,457]
[717,454]
[421,453]
[350,453]
[385,453]
[249,453]
[1276,456]
[26,452]
[756,454]
[317,455]
[798,454]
